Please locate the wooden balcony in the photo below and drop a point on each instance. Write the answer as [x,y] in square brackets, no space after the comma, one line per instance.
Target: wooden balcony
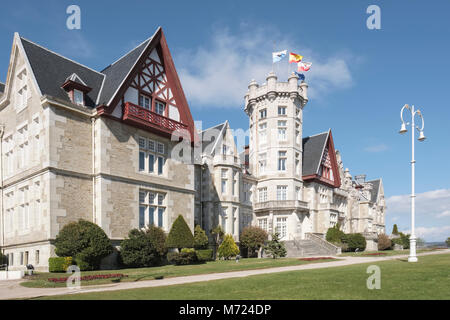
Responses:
[142,117]
[281,205]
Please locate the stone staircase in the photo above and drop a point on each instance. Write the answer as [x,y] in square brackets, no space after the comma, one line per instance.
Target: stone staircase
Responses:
[313,245]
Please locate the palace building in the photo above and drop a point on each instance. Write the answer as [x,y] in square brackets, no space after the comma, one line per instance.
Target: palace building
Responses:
[103,146]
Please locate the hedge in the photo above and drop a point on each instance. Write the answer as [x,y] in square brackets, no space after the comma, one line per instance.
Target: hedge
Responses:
[186,256]
[204,255]
[59,264]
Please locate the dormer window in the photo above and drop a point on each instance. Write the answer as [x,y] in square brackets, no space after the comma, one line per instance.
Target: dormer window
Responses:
[78,97]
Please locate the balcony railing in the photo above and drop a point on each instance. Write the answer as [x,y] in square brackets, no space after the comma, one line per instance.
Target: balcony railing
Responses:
[281,205]
[135,113]
[228,159]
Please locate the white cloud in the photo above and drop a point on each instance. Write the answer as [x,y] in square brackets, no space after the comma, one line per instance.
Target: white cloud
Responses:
[445,213]
[432,234]
[217,74]
[376,148]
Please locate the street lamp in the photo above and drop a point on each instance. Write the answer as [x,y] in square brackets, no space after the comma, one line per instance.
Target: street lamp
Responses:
[412,240]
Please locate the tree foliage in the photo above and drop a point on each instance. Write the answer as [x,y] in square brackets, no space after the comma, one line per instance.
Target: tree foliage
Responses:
[180,236]
[200,238]
[403,240]
[85,241]
[252,238]
[395,229]
[275,247]
[355,241]
[228,248]
[448,242]
[335,235]
[384,243]
[144,248]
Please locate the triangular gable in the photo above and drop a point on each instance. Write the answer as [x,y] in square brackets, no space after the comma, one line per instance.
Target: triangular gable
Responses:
[327,170]
[154,74]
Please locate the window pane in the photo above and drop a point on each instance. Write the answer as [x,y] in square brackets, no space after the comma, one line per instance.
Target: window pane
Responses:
[141,216]
[141,161]
[160,217]
[151,216]
[151,163]
[160,165]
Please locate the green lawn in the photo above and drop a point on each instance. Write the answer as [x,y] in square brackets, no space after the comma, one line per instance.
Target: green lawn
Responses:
[384,252]
[427,279]
[40,280]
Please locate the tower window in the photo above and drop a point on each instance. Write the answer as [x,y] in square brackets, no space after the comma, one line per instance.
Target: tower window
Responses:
[281,111]
[263,114]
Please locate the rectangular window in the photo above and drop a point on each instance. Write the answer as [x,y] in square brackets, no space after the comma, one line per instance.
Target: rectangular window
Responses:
[262,193]
[160,107]
[160,165]
[281,160]
[145,102]
[148,157]
[224,173]
[151,216]
[224,185]
[282,130]
[282,227]
[160,148]
[141,160]
[281,192]
[21,258]
[142,216]
[151,163]
[281,111]
[262,223]
[151,203]
[262,133]
[78,97]
[36,258]
[11,259]
[262,163]
[160,217]
[263,114]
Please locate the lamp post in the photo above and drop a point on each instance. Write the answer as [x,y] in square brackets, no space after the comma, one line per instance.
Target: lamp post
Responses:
[412,240]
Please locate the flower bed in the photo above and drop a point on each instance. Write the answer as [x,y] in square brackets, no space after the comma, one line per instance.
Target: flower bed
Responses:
[91,277]
[315,258]
[375,254]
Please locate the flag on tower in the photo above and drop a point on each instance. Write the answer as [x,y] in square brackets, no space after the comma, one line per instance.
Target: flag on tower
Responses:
[304,66]
[293,57]
[277,56]
[300,76]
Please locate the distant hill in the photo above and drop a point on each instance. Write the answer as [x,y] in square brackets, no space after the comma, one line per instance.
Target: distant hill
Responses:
[435,244]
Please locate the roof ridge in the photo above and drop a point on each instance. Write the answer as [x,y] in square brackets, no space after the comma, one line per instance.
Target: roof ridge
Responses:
[318,134]
[213,126]
[61,56]
[126,54]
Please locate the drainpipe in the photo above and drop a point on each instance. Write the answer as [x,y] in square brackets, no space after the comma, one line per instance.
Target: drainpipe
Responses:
[94,219]
[2,131]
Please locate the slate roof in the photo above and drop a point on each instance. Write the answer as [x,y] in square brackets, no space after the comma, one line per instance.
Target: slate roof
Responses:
[375,189]
[51,71]
[313,147]
[2,88]
[209,137]
[116,72]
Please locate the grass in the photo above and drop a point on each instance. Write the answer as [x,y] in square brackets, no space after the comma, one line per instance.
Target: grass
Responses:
[429,278]
[40,280]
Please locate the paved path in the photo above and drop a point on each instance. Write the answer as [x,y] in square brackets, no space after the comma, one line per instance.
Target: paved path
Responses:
[13,290]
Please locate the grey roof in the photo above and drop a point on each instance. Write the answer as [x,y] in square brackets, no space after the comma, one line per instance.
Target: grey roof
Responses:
[116,72]
[375,189]
[209,137]
[51,71]
[313,147]
[2,88]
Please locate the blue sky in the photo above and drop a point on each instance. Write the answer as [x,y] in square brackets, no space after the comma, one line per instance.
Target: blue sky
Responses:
[359,80]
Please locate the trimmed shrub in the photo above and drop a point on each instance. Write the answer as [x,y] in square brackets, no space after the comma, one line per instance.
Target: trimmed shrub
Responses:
[172,257]
[200,238]
[355,241]
[185,257]
[84,240]
[59,264]
[448,242]
[275,247]
[180,236]
[395,229]
[204,254]
[143,248]
[335,235]
[384,243]
[82,264]
[228,248]
[252,238]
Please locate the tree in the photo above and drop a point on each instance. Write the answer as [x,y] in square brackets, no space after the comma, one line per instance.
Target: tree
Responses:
[217,234]
[335,235]
[228,248]
[403,240]
[420,242]
[355,241]
[180,236]
[252,238]
[395,229]
[85,241]
[384,243]
[200,238]
[144,248]
[275,247]
[448,242]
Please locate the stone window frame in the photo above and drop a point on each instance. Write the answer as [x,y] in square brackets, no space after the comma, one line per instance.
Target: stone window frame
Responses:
[157,200]
[282,192]
[262,194]
[282,130]
[281,223]
[22,93]
[151,148]
[282,160]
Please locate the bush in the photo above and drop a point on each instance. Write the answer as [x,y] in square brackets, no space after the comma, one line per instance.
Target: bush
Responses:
[355,241]
[172,257]
[180,236]
[82,264]
[84,240]
[275,247]
[448,242]
[143,248]
[200,238]
[384,243]
[252,238]
[59,264]
[204,255]
[335,235]
[228,248]
[185,257]
[403,240]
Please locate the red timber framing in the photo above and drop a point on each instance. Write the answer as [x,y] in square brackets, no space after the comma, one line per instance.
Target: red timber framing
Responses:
[328,161]
[159,81]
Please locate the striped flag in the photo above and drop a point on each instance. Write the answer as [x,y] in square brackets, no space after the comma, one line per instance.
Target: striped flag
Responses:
[293,57]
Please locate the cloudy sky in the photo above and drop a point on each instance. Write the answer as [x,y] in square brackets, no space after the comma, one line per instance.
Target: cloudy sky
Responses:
[358,82]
